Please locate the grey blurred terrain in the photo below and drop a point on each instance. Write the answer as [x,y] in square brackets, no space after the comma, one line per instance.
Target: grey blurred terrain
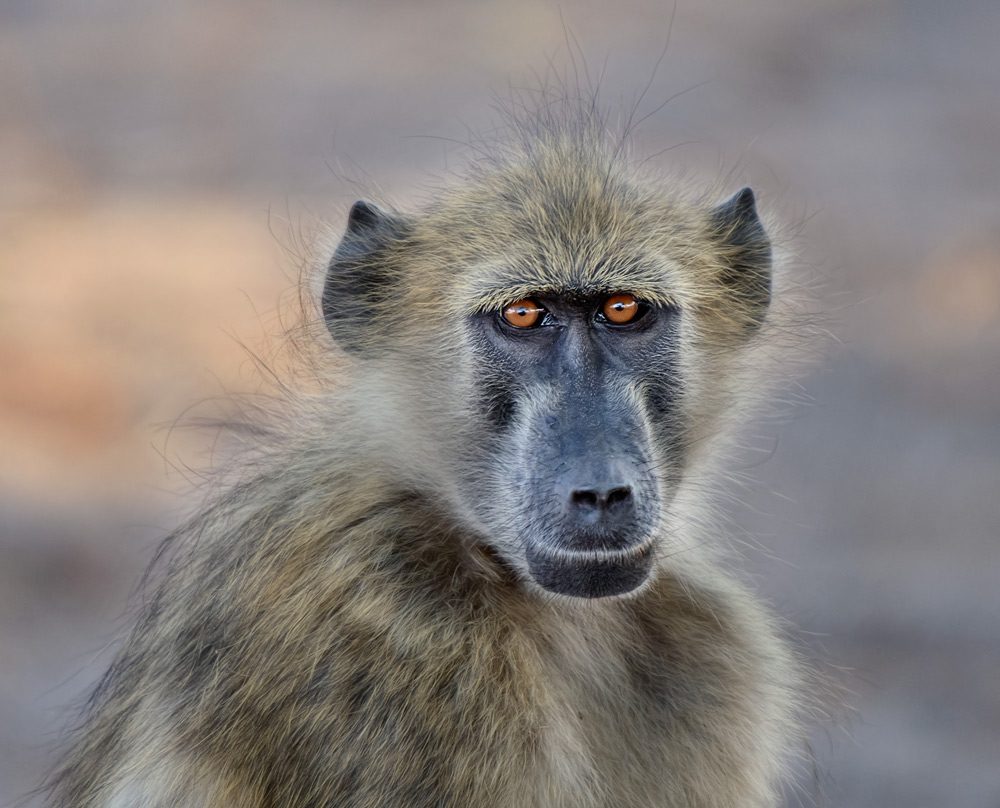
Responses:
[163,166]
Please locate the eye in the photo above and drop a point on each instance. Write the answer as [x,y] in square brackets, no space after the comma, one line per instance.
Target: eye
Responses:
[621,309]
[523,313]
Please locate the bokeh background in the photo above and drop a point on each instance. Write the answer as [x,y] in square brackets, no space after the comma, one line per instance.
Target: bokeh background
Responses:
[164,166]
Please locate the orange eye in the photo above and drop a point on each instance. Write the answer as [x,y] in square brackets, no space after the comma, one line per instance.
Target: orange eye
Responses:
[621,309]
[523,313]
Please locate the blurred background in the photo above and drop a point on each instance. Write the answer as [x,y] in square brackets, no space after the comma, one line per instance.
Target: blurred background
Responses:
[165,165]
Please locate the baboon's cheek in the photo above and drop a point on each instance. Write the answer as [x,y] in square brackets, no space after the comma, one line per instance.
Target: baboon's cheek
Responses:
[589,575]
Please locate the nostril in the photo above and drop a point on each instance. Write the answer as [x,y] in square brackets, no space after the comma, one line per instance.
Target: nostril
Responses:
[585,499]
[588,499]
[618,496]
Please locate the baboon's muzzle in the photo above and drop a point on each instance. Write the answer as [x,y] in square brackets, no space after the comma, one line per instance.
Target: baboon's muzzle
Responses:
[596,501]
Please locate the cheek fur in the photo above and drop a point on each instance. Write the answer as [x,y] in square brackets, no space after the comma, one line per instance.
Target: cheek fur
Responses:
[496,404]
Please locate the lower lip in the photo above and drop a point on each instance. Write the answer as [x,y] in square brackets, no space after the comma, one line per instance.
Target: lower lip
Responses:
[590,574]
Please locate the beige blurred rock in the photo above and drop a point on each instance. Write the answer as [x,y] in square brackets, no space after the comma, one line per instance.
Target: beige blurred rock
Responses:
[113,319]
[959,291]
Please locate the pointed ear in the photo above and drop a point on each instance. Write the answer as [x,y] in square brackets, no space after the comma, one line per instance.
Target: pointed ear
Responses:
[359,277]
[746,254]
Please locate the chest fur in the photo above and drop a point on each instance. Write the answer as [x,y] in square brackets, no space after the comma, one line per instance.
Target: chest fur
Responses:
[644,716]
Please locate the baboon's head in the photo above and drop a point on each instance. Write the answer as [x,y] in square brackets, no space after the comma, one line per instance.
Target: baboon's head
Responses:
[547,346]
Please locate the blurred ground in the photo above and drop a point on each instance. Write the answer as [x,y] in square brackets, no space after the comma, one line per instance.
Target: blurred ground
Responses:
[162,165]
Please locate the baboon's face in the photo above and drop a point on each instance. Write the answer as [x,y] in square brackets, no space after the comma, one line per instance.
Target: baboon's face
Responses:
[553,423]
[574,389]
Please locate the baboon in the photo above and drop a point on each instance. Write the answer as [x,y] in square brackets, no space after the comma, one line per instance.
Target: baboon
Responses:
[475,566]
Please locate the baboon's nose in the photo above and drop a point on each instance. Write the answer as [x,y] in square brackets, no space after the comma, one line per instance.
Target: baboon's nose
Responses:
[599,498]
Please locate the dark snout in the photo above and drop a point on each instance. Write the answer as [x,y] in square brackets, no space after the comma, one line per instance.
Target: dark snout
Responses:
[598,500]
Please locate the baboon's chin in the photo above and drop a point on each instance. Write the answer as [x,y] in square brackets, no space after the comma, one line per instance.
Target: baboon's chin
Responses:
[589,575]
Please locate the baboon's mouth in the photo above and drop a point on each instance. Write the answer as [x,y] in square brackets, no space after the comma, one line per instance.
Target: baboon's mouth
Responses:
[590,574]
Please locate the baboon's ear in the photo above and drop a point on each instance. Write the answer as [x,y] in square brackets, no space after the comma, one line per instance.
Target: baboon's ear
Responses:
[358,278]
[746,251]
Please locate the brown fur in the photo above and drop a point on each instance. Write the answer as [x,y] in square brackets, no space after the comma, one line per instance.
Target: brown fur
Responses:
[334,631]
